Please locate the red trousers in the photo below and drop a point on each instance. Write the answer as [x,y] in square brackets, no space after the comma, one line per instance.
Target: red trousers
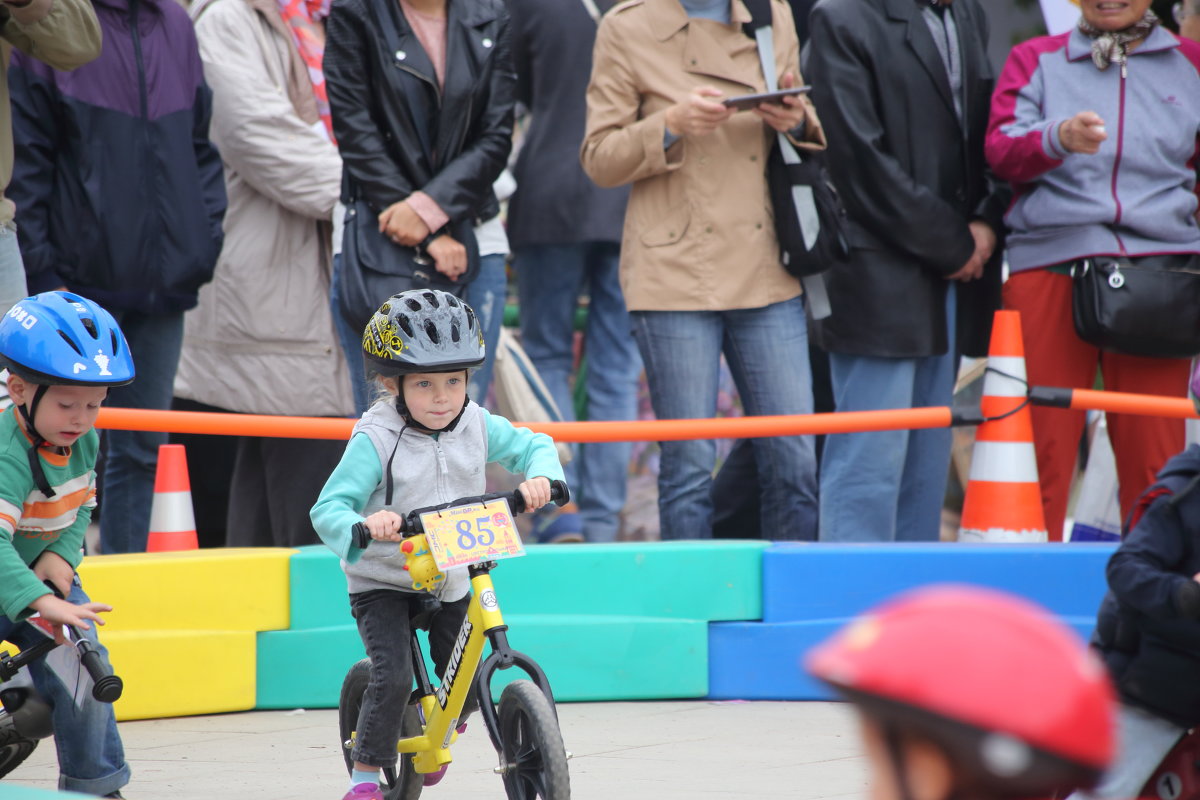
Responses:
[1055,356]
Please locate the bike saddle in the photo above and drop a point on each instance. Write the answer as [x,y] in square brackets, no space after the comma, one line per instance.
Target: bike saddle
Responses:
[421,611]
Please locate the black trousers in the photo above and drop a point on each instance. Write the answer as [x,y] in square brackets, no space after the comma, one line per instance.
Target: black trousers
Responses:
[385,628]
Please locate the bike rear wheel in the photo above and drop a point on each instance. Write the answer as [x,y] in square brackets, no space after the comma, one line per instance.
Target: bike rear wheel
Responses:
[409,782]
[534,760]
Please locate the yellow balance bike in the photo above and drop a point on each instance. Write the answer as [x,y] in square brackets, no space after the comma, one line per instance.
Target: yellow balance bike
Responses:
[472,533]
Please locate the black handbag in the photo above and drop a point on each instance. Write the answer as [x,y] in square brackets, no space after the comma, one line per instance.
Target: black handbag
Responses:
[792,179]
[1144,306]
[374,267]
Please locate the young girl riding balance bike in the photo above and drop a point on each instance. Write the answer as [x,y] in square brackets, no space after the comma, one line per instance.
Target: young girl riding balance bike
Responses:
[423,442]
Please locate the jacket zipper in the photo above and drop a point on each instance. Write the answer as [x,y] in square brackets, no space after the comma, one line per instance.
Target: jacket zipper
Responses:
[436,93]
[1117,161]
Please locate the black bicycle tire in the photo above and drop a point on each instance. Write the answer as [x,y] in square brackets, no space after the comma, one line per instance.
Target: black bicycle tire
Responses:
[408,781]
[14,749]
[531,745]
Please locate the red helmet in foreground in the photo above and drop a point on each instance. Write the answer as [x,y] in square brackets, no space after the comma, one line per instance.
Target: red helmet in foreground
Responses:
[1014,698]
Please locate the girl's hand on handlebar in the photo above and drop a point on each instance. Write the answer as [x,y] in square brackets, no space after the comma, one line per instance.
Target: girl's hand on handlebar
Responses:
[60,612]
[536,492]
[384,526]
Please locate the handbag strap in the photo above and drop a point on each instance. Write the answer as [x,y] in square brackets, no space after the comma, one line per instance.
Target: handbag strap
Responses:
[802,196]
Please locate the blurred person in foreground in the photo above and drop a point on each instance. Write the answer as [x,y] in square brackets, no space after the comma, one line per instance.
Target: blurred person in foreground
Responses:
[966,692]
[700,264]
[1097,129]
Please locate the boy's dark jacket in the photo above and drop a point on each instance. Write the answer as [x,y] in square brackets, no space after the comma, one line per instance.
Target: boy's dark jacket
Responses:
[119,193]
[1148,629]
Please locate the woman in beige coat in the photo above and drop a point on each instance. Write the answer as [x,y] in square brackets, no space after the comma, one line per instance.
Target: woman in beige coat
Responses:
[261,340]
[700,263]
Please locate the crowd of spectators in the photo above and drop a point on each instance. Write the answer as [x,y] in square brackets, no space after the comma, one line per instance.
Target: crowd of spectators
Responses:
[194,177]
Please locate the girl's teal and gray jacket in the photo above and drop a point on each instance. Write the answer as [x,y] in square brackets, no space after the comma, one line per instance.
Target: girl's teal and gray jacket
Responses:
[1137,196]
[426,470]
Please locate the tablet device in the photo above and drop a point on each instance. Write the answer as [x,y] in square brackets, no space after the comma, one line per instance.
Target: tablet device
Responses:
[745,102]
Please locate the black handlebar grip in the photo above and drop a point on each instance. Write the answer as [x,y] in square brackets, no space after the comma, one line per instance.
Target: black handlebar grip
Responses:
[559,493]
[362,537]
[107,687]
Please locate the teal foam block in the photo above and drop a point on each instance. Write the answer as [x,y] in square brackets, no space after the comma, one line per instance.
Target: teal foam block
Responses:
[317,589]
[763,660]
[585,658]
[11,791]
[828,581]
[709,580]
[714,580]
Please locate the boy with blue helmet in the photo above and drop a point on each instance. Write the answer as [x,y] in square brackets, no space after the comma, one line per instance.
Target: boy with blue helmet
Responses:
[62,352]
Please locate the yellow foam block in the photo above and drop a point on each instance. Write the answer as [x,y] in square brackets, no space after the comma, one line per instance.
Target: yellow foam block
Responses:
[244,589]
[182,673]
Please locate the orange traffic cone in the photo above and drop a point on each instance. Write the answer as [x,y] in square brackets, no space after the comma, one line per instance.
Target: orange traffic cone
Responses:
[172,521]
[1004,502]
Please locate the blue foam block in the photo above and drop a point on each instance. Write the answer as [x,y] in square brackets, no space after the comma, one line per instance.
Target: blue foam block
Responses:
[763,660]
[831,581]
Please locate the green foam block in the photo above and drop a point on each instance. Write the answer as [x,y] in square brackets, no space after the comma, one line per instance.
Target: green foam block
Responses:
[585,657]
[714,580]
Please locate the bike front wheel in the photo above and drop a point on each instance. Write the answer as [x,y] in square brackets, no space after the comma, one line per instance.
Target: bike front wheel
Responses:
[533,757]
[14,748]
[409,782]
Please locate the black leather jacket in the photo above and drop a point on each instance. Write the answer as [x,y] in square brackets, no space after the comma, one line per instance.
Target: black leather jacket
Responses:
[396,131]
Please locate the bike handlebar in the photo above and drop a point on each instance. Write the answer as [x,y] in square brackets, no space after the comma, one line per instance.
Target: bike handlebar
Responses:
[411,522]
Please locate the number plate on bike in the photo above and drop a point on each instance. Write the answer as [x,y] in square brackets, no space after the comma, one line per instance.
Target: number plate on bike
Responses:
[470,534]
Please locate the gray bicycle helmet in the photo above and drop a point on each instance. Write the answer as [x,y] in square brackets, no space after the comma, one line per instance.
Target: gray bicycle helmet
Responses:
[422,330]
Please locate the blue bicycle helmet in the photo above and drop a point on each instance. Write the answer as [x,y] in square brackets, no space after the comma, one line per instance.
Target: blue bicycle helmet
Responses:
[60,338]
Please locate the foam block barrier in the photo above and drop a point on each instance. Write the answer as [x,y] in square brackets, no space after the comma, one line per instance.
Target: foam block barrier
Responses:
[585,657]
[828,581]
[677,580]
[243,589]
[180,673]
[11,791]
[764,660]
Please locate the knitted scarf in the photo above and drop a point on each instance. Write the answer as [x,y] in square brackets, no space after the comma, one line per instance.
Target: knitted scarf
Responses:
[1111,47]
[304,18]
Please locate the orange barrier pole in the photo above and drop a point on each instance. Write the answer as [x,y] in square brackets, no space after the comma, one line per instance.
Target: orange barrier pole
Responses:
[1116,402]
[129,419]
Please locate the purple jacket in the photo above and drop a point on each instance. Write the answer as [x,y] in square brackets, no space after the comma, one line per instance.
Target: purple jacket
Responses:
[1137,196]
[120,195]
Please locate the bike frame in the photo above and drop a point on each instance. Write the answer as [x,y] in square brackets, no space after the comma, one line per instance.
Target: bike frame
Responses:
[466,670]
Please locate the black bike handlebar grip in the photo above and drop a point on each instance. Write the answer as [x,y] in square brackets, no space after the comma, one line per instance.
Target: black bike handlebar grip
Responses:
[107,687]
[559,493]
[361,536]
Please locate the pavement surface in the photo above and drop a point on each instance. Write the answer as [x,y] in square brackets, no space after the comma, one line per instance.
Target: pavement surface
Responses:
[631,751]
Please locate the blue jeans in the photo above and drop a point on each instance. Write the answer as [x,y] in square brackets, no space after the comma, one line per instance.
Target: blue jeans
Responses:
[550,279]
[132,456]
[767,352]
[91,759]
[486,295]
[12,269]
[887,486]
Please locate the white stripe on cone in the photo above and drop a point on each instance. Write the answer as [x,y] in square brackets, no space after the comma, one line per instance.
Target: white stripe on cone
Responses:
[1002,535]
[171,512]
[998,383]
[1004,462]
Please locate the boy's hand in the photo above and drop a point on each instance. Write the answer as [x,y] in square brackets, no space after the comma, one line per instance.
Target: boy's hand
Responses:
[384,525]
[54,568]
[536,492]
[60,612]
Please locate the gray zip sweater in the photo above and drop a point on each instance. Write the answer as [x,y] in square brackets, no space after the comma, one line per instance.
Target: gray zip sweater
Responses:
[1137,196]
[426,470]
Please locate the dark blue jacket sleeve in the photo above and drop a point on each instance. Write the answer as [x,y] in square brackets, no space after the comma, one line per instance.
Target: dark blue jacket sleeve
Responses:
[35,148]
[1146,572]
[208,163]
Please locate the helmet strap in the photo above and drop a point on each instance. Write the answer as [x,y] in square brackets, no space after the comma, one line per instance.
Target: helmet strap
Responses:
[895,748]
[35,461]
